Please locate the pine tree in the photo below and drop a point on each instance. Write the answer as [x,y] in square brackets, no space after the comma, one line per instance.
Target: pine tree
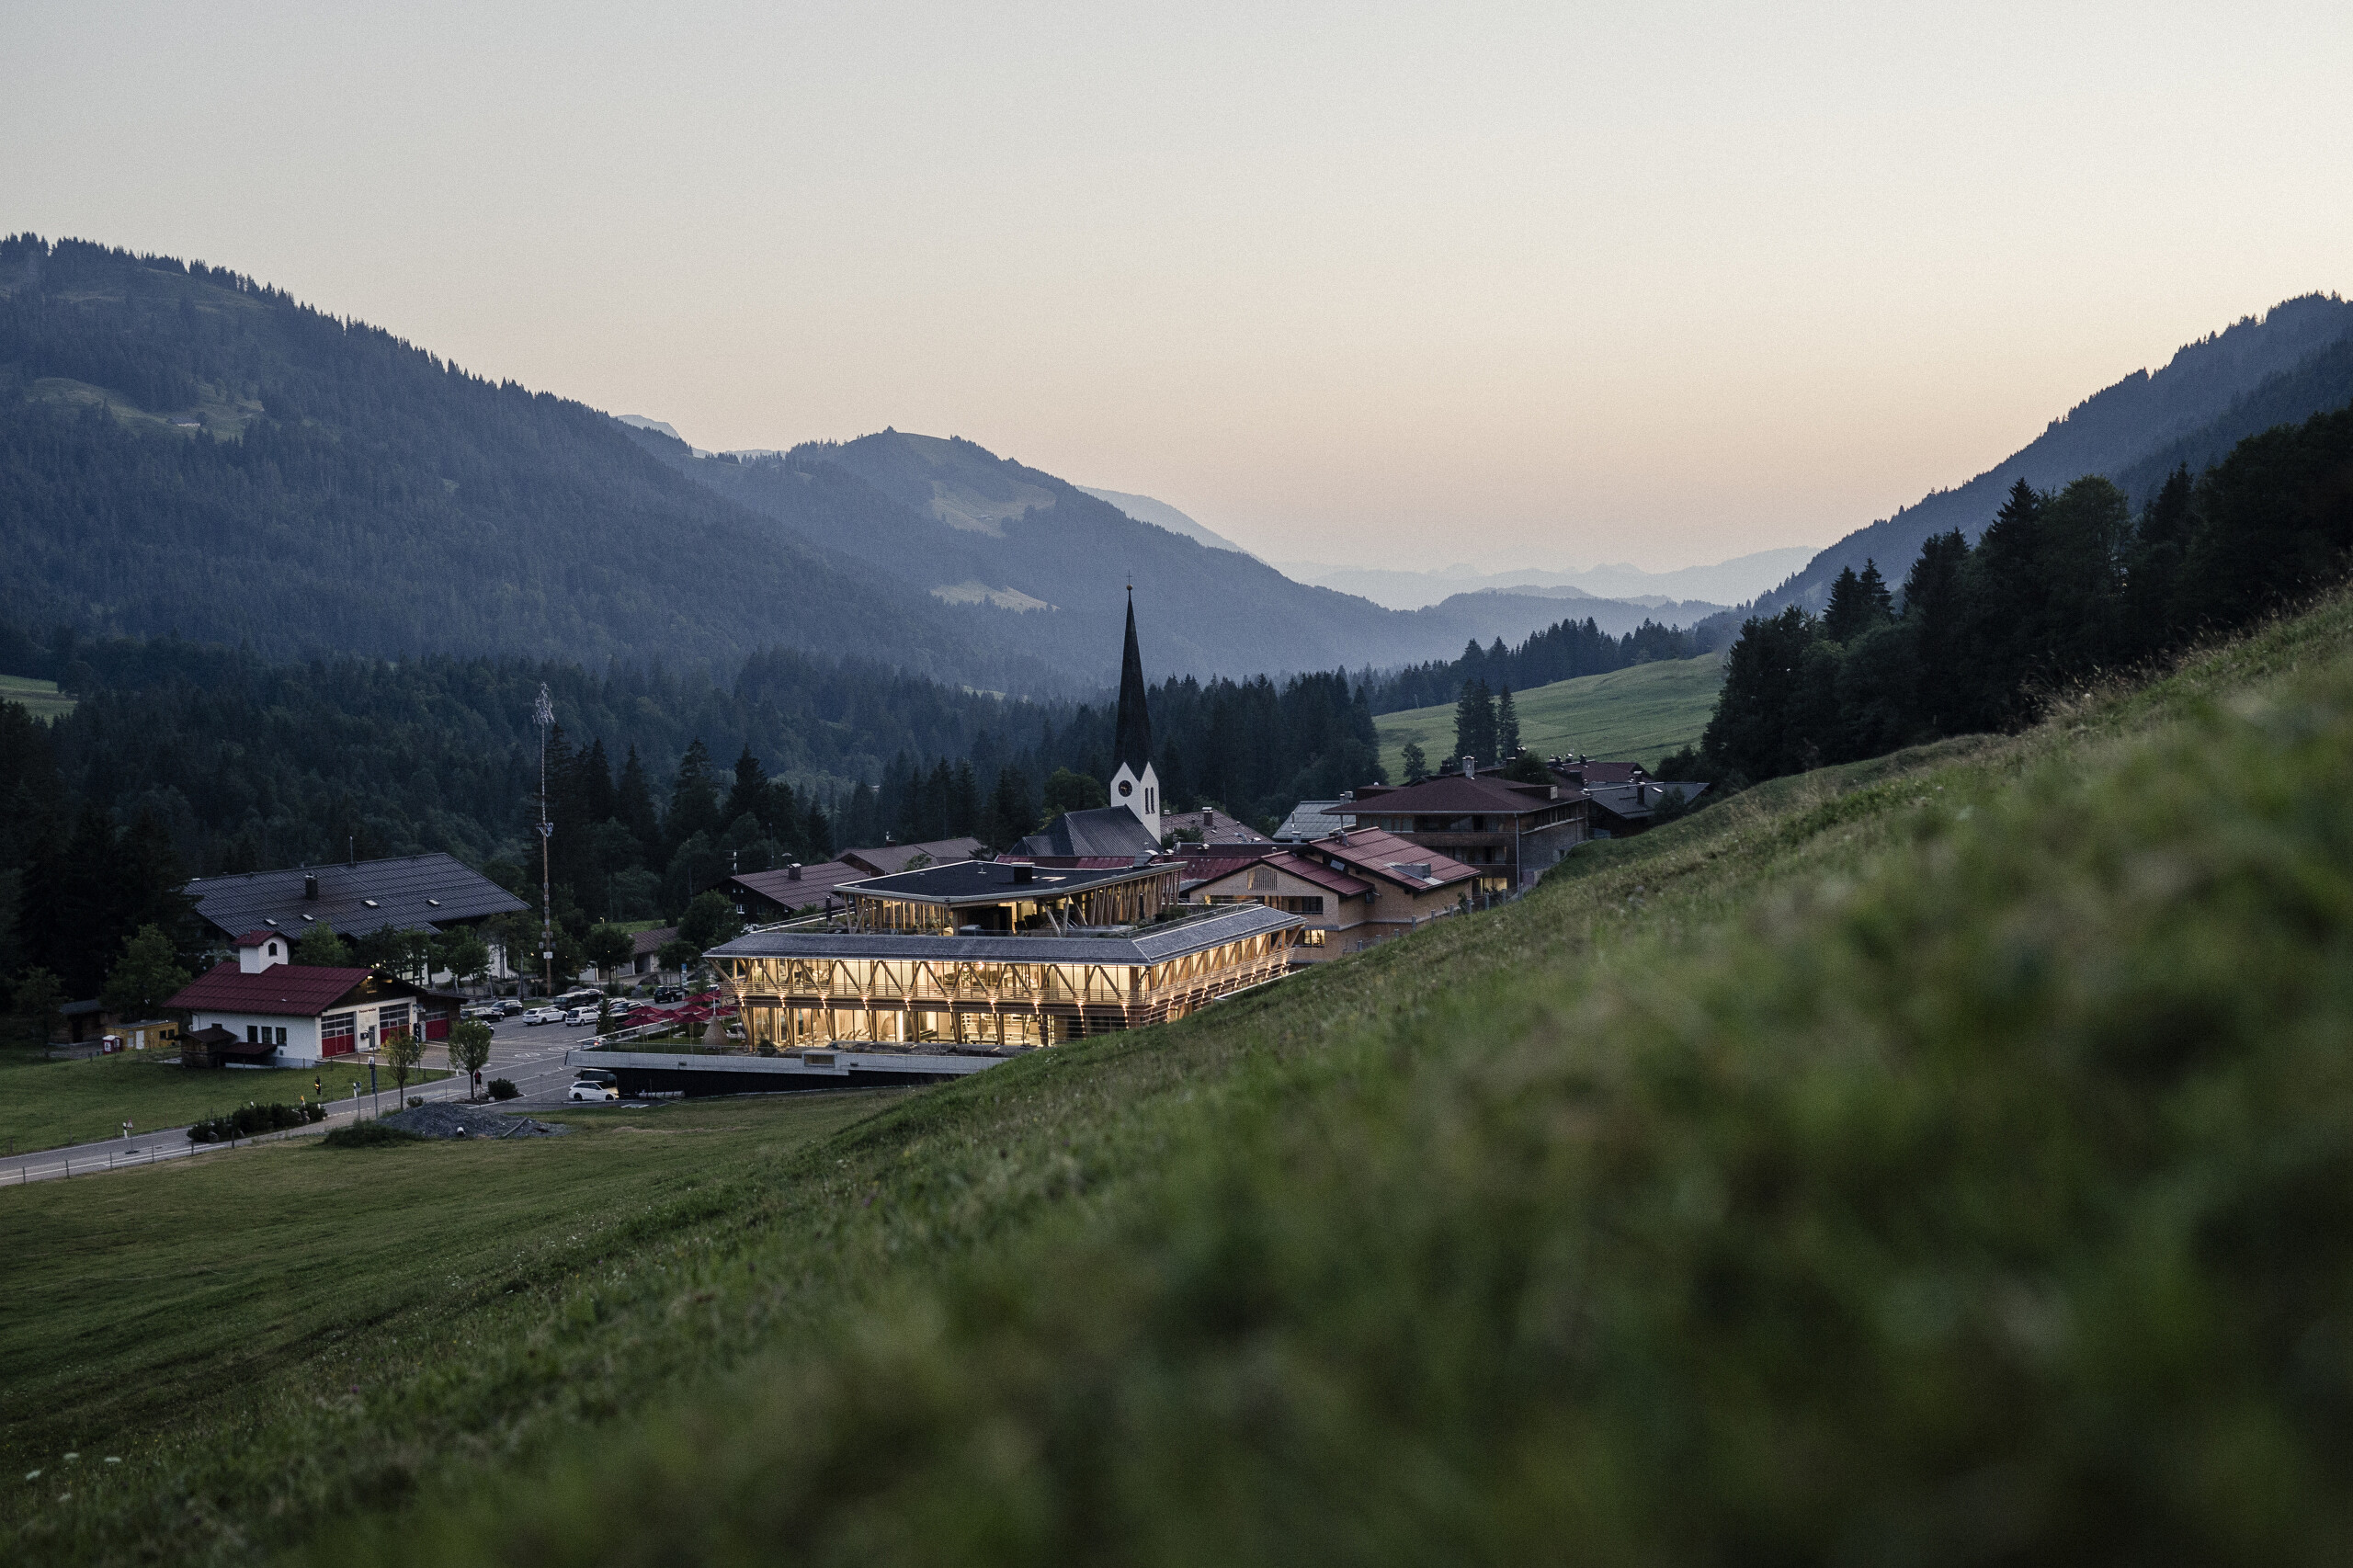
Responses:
[633,807]
[1474,722]
[1417,765]
[749,797]
[1506,726]
[694,798]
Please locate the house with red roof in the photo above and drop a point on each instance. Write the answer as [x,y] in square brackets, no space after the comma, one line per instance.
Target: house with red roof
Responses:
[1353,888]
[289,1015]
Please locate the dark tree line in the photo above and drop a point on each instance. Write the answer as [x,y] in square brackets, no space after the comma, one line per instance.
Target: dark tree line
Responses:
[2061,587]
[1560,652]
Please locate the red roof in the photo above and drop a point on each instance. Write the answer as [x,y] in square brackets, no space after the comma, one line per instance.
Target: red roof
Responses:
[1382,854]
[256,937]
[283,990]
[1303,867]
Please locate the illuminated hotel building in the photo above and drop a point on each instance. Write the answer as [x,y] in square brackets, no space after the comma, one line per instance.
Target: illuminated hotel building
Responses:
[1002,955]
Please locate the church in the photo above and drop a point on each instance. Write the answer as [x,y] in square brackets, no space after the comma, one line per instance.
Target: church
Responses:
[1130,825]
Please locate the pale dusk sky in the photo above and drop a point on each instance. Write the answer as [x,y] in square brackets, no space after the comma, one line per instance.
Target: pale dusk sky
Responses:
[1542,285]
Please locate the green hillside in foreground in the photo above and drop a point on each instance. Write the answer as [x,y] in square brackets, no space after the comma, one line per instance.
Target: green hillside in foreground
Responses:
[1947,1158]
[1639,713]
[39,697]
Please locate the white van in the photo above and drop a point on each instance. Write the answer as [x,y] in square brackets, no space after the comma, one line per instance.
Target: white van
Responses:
[581,1015]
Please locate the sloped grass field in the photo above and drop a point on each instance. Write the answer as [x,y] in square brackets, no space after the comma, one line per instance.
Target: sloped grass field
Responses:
[44,1104]
[1943,1159]
[1636,714]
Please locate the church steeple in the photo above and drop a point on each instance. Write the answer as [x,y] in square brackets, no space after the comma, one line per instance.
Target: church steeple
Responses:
[1134,784]
[1131,738]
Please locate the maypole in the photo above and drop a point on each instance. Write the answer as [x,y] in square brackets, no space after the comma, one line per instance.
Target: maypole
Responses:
[543,715]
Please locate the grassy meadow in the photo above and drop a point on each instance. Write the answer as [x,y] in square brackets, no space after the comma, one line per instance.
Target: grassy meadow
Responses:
[1945,1158]
[44,1104]
[39,697]
[1636,714]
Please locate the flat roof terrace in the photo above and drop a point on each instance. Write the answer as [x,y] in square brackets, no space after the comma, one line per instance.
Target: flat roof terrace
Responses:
[1009,897]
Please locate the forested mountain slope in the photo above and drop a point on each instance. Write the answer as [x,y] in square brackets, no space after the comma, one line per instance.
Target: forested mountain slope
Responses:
[2296,361]
[183,448]
[1939,1160]
[953,520]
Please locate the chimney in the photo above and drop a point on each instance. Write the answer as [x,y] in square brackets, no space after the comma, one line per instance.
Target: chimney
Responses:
[792,872]
[1470,767]
[310,886]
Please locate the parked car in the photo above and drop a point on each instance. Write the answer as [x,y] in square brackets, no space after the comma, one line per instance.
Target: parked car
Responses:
[581,1015]
[670,993]
[507,1007]
[587,996]
[598,1075]
[592,1092]
[544,1015]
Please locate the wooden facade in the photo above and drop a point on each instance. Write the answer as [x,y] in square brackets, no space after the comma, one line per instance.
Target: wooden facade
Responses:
[788,1003]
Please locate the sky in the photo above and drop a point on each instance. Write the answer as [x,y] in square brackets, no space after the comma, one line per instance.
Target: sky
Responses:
[1399,285]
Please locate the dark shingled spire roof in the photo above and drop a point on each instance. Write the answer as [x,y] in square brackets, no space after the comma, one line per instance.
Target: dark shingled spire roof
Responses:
[1131,740]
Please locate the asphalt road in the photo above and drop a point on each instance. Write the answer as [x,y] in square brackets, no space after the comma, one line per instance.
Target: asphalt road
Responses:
[529,1056]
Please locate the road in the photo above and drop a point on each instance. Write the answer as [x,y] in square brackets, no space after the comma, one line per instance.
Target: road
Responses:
[530,1056]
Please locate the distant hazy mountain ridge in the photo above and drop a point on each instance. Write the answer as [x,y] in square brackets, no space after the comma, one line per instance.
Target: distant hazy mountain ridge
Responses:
[1160,513]
[1725,583]
[952,520]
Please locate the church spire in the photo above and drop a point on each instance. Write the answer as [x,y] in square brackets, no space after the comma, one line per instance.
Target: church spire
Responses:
[1131,739]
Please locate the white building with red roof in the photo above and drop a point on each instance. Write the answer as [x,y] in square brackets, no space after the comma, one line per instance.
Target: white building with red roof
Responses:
[301,1015]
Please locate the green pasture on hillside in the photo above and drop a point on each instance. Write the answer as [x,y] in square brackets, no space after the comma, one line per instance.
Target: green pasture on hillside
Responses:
[1943,1158]
[1636,714]
[243,1282]
[39,697]
[45,1103]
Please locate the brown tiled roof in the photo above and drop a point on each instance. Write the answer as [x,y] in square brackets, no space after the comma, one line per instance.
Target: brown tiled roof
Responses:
[1383,854]
[1451,796]
[1214,826]
[814,884]
[1613,772]
[645,944]
[283,990]
[1306,869]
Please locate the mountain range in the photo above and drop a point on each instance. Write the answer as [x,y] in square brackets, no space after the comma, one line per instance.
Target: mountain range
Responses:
[2294,361]
[184,449]
[1725,583]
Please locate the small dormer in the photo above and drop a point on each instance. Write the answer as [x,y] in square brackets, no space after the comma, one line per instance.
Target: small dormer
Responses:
[258,950]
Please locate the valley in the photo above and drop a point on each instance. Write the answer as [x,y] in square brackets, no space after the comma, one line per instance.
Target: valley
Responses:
[1043,1286]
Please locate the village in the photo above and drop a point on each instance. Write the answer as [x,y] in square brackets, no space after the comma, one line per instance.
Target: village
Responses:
[888,965]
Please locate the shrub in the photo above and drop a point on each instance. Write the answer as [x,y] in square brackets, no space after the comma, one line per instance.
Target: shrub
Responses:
[415,1100]
[503,1089]
[368,1135]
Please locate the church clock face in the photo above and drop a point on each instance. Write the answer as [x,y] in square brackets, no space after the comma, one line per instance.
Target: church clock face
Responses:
[1126,788]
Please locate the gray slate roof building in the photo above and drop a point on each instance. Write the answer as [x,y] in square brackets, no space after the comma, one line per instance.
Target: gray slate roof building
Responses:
[430,891]
[1107,830]
[1311,819]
